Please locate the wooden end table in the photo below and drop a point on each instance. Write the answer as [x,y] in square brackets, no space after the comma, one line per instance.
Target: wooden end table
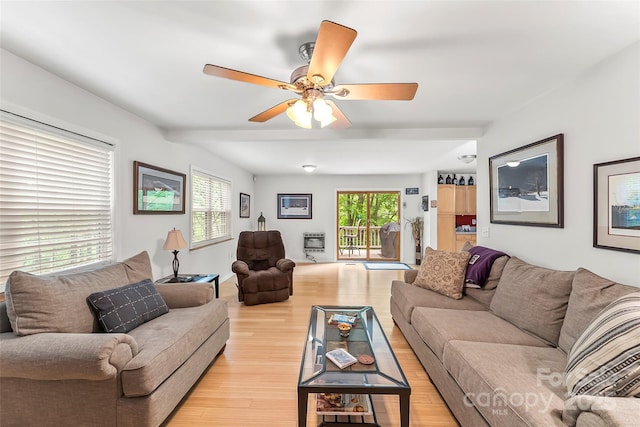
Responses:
[195,278]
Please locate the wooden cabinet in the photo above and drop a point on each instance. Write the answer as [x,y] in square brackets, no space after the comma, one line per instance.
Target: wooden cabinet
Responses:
[454,200]
[446,199]
[446,231]
[465,200]
[462,238]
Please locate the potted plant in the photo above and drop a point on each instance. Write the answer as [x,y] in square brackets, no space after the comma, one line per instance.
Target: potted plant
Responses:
[417,225]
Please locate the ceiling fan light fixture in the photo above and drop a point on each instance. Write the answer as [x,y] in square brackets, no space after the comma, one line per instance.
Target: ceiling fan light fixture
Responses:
[299,114]
[328,121]
[322,111]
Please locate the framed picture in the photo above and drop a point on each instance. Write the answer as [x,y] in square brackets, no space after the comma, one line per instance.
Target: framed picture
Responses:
[245,205]
[157,190]
[294,206]
[616,205]
[527,186]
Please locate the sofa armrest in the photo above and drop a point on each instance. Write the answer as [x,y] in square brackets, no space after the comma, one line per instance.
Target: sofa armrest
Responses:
[181,295]
[285,264]
[410,276]
[613,411]
[240,267]
[57,356]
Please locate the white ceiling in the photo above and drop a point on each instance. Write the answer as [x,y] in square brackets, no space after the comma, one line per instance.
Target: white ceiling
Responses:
[475,61]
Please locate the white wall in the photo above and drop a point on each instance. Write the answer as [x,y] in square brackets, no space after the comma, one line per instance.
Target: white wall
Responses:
[324,204]
[599,115]
[31,91]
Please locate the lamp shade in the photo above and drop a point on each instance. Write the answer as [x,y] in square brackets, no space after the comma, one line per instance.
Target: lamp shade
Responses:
[174,241]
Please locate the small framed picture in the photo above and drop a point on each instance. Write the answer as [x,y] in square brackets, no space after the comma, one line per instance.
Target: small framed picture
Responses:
[527,185]
[294,206]
[157,190]
[616,205]
[245,205]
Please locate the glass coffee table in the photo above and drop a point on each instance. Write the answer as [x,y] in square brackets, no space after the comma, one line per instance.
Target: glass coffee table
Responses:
[379,372]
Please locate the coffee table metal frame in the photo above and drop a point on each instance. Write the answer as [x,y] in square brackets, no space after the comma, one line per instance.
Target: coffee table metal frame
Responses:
[319,375]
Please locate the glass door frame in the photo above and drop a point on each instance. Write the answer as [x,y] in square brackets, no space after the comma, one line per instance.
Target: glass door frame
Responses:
[356,253]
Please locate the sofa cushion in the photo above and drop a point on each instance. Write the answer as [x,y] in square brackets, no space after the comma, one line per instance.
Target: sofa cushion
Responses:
[166,342]
[443,272]
[407,297]
[480,264]
[590,294]
[58,303]
[511,385]
[496,273]
[437,326]
[181,295]
[127,307]
[605,359]
[533,298]
[484,296]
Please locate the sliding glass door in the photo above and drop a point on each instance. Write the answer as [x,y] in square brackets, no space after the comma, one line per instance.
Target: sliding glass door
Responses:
[368,225]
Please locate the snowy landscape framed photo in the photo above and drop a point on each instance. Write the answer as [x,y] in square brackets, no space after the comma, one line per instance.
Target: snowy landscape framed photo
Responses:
[616,210]
[527,186]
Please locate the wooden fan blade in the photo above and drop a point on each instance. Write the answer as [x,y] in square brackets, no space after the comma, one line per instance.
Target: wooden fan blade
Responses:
[332,44]
[341,120]
[381,91]
[273,111]
[241,76]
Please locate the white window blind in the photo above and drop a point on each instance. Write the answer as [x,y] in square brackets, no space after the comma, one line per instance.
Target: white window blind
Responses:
[56,193]
[210,209]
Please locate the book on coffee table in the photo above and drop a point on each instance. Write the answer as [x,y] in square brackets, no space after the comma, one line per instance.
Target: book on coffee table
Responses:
[343,404]
[341,358]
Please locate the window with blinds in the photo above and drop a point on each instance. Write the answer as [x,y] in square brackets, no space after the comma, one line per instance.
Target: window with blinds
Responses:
[56,193]
[210,209]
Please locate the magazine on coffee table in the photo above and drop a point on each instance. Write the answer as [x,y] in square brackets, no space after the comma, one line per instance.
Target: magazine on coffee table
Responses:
[343,404]
[341,358]
[336,318]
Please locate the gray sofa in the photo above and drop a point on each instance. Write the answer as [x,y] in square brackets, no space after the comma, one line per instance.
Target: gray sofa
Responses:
[497,355]
[58,368]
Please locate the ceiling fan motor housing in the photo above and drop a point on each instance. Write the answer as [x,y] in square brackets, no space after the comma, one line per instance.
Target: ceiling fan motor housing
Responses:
[299,79]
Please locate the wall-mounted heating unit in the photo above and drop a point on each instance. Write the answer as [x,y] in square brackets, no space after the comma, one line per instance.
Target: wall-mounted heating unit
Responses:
[314,242]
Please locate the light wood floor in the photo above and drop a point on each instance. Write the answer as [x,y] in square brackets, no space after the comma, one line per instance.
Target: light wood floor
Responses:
[253,383]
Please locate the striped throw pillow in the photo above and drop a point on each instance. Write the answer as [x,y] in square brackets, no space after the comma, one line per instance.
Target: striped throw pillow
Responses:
[605,360]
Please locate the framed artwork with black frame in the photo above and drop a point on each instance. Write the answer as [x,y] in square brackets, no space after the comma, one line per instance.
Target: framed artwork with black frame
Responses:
[157,190]
[294,206]
[245,205]
[527,184]
[616,205]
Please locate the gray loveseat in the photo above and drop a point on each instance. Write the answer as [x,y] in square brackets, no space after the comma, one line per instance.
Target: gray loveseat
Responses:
[58,368]
[497,355]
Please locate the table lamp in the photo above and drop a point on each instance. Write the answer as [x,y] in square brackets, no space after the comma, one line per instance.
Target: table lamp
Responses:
[174,242]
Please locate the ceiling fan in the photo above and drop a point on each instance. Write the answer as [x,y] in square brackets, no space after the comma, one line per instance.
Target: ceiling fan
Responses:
[315,80]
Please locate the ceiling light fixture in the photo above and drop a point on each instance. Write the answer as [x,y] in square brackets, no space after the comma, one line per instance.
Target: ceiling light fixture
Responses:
[311,106]
[467,158]
[309,168]
[513,164]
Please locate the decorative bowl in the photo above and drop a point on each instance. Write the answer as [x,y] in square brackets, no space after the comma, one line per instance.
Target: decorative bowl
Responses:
[344,329]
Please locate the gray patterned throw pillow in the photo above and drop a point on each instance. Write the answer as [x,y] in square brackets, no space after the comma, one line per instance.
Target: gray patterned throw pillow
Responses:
[125,308]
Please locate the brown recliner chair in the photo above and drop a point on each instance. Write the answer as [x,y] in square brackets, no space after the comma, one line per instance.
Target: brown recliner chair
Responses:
[264,274]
